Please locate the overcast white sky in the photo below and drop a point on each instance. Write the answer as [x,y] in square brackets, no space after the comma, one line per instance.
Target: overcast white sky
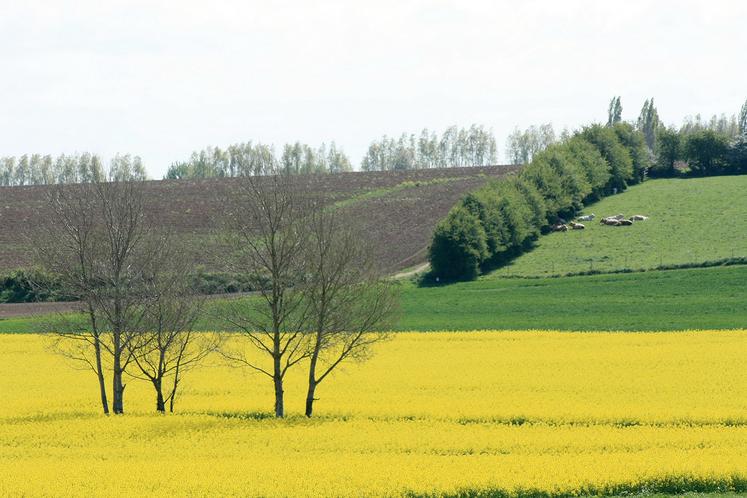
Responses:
[161,79]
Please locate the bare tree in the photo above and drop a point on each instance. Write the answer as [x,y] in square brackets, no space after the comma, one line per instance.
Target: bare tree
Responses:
[266,238]
[348,302]
[65,244]
[99,243]
[168,346]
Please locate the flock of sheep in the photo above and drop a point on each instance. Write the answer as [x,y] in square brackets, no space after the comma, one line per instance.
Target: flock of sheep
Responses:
[617,220]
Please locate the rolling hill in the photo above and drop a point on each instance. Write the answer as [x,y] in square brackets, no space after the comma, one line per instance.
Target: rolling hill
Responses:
[398,210]
[690,222]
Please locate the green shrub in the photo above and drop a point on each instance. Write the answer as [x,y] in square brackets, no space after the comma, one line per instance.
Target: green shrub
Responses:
[27,286]
[459,246]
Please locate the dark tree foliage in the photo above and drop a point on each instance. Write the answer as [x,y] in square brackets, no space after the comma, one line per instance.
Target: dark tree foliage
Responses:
[614,112]
[459,246]
[634,141]
[738,155]
[706,153]
[591,162]
[668,152]
[496,223]
[617,156]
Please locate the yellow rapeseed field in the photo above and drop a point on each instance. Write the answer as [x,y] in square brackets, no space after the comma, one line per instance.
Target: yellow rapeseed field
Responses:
[503,413]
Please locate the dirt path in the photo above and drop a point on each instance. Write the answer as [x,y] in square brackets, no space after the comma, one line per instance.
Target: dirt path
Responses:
[411,272]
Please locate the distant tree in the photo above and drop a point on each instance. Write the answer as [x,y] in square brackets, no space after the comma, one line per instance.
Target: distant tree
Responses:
[634,141]
[738,155]
[743,119]
[648,123]
[36,169]
[614,112]
[617,156]
[668,152]
[473,146]
[337,161]
[522,146]
[723,125]
[706,152]
[591,162]
[258,159]
[459,246]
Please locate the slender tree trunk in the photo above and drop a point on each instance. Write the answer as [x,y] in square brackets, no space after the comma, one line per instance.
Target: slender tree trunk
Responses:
[160,403]
[278,380]
[100,375]
[118,392]
[173,390]
[99,367]
[310,398]
[312,382]
[117,386]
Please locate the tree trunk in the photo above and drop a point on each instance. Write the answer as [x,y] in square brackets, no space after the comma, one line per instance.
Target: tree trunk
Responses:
[173,390]
[100,375]
[117,386]
[310,399]
[118,394]
[312,384]
[278,380]
[160,402]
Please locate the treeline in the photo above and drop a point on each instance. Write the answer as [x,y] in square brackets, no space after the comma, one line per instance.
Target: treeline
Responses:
[37,169]
[456,147]
[698,147]
[505,217]
[473,146]
[256,159]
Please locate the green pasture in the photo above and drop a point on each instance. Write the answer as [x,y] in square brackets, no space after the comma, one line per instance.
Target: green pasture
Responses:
[690,221]
[707,298]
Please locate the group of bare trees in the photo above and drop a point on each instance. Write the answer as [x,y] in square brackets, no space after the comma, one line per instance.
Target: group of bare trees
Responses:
[256,158]
[456,147]
[321,299]
[37,169]
[522,146]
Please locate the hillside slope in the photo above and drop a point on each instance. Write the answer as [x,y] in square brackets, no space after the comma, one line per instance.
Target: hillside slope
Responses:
[399,210]
[691,221]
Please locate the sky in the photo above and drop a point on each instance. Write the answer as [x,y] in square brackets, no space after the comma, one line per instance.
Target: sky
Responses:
[160,79]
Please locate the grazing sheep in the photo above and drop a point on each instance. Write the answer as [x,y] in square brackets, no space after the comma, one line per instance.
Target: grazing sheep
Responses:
[577,226]
[588,217]
[559,227]
[638,217]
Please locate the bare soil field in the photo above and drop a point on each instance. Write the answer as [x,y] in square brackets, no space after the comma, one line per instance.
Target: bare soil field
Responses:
[399,210]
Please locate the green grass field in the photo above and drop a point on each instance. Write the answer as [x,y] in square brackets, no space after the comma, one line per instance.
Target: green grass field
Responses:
[691,221]
[709,298]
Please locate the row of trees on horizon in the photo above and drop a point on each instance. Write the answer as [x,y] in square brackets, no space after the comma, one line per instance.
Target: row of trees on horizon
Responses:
[710,146]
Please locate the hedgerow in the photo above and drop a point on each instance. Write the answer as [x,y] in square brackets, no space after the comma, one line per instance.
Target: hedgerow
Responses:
[504,218]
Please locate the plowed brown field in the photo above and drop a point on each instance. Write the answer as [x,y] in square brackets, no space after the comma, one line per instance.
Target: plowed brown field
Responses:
[398,210]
